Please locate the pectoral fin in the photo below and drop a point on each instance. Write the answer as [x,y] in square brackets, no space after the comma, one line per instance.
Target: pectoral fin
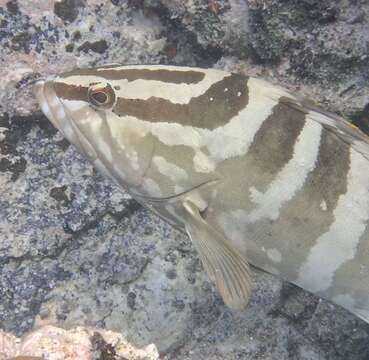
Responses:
[225,266]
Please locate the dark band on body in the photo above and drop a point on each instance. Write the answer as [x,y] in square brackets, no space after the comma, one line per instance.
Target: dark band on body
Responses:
[216,107]
[331,170]
[274,142]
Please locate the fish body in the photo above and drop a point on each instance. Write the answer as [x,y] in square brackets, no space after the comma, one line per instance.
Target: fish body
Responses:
[250,171]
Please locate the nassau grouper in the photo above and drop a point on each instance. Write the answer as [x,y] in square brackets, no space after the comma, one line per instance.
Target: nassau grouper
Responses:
[252,173]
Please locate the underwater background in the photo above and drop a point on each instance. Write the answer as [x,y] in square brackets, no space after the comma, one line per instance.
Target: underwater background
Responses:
[75,251]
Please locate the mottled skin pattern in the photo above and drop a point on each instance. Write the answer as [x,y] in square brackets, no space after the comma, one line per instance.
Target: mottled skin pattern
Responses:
[288,186]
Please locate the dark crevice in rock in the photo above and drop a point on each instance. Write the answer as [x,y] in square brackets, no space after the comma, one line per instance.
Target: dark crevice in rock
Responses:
[54,255]
[99,46]
[131,206]
[15,167]
[16,129]
[178,35]
[58,193]
[68,10]
[12,7]
[280,30]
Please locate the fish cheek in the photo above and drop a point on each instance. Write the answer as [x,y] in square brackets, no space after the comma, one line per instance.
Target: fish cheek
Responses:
[78,115]
[131,150]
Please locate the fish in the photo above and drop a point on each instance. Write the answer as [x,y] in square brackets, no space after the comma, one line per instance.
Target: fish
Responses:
[254,174]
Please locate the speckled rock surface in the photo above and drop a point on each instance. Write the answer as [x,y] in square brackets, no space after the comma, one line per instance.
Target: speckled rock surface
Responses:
[53,343]
[75,251]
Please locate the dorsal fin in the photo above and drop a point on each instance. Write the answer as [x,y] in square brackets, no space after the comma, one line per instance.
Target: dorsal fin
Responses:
[346,131]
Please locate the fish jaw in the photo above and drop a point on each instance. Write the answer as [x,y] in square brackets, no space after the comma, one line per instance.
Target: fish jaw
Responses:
[54,110]
[44,92]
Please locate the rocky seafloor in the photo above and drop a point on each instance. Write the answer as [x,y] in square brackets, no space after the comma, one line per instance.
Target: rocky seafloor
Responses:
[78,254]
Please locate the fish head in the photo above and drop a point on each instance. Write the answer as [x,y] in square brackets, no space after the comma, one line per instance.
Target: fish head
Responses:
[83,105]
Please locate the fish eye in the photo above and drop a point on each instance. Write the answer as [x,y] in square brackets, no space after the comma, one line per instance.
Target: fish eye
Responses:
[101,96]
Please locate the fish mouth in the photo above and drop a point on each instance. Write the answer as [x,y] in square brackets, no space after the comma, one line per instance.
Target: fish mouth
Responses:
[55,111]
[50,106]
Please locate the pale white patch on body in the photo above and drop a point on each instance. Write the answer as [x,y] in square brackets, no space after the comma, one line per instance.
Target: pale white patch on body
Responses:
[53,101]
[323,205]
[203,163]
[177,134]
[291,177]
[121,128]
[133,158]
[59,113]
[93,127]
[74,105]
[151,187]
[104,148]
[62,118]
[172,171]
[339,244]
[274,255]
[46,110]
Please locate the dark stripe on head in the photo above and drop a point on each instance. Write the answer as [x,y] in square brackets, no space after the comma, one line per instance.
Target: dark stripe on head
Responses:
[167,76]
[216,107]
[71,92]
[274,142]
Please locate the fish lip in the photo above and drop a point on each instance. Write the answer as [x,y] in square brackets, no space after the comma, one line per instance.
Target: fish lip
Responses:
[52,107]
[39,93]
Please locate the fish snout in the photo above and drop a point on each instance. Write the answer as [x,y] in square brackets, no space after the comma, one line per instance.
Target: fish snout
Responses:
[49,103]
[54,110]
